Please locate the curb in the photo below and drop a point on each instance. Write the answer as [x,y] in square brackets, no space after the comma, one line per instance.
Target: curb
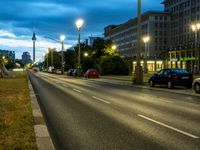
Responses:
[43,139]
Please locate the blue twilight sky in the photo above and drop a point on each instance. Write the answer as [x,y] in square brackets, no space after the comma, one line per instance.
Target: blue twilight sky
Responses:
[55,17]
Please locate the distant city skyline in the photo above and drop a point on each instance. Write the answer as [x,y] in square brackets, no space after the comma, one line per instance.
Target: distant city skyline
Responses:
[55,17]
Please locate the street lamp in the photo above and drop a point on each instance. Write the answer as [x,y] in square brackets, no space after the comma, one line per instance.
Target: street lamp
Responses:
[52,49]
[86,54]
[79,24]
[47,53]
[145,40]
[195,28]
[62,39]
[114,47]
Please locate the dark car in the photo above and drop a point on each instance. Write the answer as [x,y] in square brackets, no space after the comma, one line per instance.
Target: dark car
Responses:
[172,77]
[196,85]
[75,72]
[70,72]
[91,73]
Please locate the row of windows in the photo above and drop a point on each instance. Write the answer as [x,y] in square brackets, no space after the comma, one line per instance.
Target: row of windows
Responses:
[161,41]
[182,5]
[161,33]
[160,48]
[161,25]
[161,17]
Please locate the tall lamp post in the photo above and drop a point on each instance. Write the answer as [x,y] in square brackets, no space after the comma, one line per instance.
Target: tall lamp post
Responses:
[52,50]
[138,79]
[195,28]
[79,24]
[47,53]
[62,39]
[145,40]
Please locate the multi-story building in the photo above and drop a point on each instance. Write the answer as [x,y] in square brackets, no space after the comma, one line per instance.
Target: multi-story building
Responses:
[154,24]
[184,13]
[26,58]
[7,53]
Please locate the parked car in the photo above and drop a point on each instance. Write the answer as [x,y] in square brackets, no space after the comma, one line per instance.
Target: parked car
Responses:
[172,77]
[58,71]
[70,72]
[196,85]
[91,73]
[75,72]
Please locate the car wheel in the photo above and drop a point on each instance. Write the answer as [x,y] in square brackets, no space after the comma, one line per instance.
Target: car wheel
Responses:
[197,88]
[151,83]
[169,85]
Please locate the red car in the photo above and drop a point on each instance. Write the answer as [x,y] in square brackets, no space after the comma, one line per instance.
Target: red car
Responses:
[91,73]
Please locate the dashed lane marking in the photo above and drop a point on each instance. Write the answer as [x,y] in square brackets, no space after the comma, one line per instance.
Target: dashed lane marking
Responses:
[102,100]
[169,127]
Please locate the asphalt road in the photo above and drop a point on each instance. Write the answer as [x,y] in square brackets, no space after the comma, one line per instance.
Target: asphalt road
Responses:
[92,114]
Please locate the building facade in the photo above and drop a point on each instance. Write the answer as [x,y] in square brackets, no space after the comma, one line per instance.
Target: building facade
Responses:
[26,58]
[8,54]
[154,24]
[184,14]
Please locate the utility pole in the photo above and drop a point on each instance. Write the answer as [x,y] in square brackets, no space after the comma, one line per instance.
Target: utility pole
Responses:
[138,79]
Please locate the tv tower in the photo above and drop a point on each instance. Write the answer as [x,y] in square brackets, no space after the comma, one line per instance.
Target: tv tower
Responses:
[34,39]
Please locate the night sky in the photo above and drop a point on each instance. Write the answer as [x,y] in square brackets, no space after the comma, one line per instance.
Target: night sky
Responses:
[18,19]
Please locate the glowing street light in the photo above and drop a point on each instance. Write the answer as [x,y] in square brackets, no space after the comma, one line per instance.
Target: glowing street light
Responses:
[79,24]
[195,28]
[114,47]
[86,54]
[62,39]
[146,41]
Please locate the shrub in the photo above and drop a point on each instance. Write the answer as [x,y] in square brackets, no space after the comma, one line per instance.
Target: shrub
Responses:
[114,65]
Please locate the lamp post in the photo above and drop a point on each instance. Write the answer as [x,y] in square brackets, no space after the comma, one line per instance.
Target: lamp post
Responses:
[145,40]
[47,60]
[62,39]
[79,24]
[138,79]
[195,28]
[52,58]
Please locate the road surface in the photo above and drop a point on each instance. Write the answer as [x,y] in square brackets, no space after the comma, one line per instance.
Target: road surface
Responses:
[92,114]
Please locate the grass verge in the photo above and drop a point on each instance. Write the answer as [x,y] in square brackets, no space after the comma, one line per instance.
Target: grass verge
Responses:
[16,121]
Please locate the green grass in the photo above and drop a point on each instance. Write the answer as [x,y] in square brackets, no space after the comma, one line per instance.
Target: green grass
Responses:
[16,121]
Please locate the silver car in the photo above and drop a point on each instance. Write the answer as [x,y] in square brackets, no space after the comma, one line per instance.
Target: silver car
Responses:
[196,85]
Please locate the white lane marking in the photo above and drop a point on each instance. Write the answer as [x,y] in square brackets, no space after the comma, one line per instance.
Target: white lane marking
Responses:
[166,101]
[99,99]
[170,127]
[77,90]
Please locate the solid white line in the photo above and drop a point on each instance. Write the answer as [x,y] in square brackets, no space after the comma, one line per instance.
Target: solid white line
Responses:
[99,99]
[170,127]
[77,90]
